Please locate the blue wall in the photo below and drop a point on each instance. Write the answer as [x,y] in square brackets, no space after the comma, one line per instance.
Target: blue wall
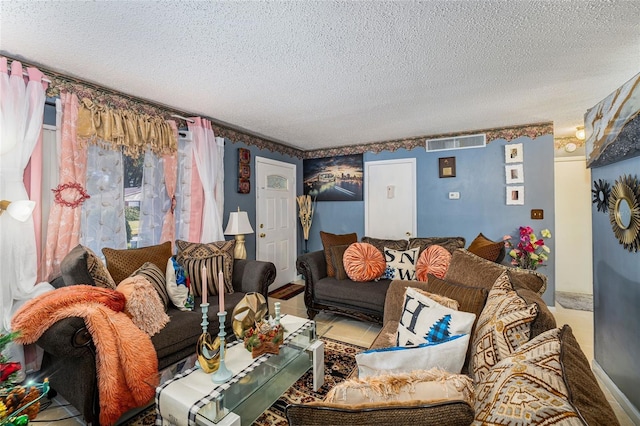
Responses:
[480,179]
[616,295]
[247,202]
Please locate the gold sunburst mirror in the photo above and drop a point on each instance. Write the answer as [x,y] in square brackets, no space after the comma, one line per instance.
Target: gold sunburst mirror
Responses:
[624,212]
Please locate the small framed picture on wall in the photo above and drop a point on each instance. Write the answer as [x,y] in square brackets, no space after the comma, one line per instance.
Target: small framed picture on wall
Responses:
[515,195]
[513,153]
[447,167]
[514,173]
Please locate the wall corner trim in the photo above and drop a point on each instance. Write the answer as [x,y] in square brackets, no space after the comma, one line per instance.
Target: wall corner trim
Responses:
[620,397]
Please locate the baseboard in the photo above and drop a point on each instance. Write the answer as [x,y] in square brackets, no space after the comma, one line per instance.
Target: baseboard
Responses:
[552,308]
[620,397]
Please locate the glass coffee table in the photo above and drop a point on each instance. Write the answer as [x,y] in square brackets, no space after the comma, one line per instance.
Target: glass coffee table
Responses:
[192,397]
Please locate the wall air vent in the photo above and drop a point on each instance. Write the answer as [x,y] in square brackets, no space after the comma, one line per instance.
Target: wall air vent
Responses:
[457,142]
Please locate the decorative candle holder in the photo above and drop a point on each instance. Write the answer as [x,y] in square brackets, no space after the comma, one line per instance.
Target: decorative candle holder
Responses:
[208,351]
[276,305]
[223,374]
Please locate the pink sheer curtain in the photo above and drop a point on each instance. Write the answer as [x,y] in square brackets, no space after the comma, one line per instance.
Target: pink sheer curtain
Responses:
[197,202]
[170,178]
[33,182]
[63,229]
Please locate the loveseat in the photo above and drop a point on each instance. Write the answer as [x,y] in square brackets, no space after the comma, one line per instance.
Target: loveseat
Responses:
[507,393]
[70,353]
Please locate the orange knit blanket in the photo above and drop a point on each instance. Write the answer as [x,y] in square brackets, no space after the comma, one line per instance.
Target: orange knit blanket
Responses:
[126,361]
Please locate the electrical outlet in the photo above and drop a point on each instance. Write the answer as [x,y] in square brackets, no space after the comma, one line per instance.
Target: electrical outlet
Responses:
[454,195]
[537,214]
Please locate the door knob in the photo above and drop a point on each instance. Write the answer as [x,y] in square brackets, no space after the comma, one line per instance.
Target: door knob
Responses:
[408,234]
[262,235]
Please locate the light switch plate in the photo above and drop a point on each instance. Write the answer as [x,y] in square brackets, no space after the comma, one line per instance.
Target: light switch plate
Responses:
[454,195]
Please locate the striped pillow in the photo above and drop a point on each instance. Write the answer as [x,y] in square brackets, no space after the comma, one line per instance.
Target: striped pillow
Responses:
[435,261]
[157,278]
[216,256]
[363,262]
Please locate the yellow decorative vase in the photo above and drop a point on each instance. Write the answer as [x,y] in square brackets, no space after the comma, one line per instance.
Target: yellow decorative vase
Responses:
[208,353]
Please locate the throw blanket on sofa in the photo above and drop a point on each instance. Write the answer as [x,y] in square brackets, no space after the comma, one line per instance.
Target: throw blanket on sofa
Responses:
[126,360]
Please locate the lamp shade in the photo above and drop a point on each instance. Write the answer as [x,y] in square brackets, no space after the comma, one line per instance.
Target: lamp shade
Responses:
[238,224]
[19,210]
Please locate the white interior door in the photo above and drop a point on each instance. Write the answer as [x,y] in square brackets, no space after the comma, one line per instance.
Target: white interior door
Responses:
[574,271]
[390,199]
[276,217]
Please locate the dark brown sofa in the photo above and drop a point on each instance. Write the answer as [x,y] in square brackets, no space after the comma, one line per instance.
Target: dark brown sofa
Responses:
[361,300]
[467,271]
[69,353]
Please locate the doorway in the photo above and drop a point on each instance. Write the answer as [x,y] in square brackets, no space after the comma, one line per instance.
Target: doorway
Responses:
[390,199]
[276,217]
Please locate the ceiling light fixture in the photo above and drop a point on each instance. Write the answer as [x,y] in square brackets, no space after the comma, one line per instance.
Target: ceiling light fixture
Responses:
[580,133]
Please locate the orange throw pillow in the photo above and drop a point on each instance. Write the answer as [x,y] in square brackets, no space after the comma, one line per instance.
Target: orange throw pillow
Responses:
[435,261]
[363,262]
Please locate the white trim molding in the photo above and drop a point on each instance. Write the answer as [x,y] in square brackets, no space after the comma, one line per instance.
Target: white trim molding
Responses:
[617,394]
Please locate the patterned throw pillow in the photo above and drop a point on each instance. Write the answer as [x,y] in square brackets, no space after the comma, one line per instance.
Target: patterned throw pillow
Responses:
[122,263]
[527,387]
[487,249]
[157,278]
[400,264]
[177,286]
[217,256]
[363,262]
[504,325]
[435,261]
[423,320]
[329,240]
[97,270]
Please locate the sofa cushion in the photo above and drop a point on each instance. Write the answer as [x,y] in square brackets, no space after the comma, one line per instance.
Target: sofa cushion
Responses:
[349,293]
[381,243]
[470,299]
[363,262]
[468,269]
[434,260]
[527,387]
[337,257]
[449,243]
[143,305]
[442,300]
[424,320]
[400,264]
[447,354]
[122,263]
[156,277]
[487,249]
[216,257]
[329,240]
[504,325]
[422,385]
[82,266]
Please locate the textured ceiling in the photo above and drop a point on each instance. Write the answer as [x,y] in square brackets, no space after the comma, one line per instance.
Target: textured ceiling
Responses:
[322,74]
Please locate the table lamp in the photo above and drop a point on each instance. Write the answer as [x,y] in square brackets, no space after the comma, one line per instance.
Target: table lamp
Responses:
[239,225]
[19,210]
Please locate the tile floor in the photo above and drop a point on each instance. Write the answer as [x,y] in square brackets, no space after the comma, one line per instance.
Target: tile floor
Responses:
[363,333]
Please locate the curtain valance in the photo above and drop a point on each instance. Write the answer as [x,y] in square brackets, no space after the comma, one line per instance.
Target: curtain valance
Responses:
[126,129]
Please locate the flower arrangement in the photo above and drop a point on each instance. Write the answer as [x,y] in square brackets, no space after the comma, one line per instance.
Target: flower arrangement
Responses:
[264,337]
[530,252]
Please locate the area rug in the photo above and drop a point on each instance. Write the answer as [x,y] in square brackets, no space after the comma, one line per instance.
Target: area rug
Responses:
[287,291]
[339,362]
[578,301]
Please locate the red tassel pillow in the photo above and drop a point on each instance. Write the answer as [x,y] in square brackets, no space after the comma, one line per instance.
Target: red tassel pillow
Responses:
[434,260]
[363,262]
